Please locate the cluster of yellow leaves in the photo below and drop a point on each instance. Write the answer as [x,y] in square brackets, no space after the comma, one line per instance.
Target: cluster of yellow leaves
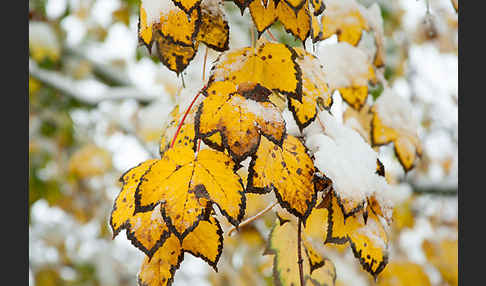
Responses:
[298,17]
[179,30]
[151,231]
[284,246]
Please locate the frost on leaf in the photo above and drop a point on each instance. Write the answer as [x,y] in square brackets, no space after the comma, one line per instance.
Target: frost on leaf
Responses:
[124,205]
[315,91]
[186,185]
[271,65]
[283,244]
[350,72]
[240,115]
[369,240]
[393,121]
[289,171]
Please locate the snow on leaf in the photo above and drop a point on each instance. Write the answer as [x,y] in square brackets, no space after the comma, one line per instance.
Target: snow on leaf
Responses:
[347,160]
[124,205]
[345,19]
[159,270]
[369,240]
[359,121]
[271,65]
[315,91]
[393,121]
[206,242]
[283,244]
[241,116]
[316,30]
[186,185]
[288,170]
[351,72]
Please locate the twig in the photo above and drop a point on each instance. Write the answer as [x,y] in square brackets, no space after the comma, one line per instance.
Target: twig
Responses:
[299,253]
[271,35]
[184,117]
[204,64]
[251,219]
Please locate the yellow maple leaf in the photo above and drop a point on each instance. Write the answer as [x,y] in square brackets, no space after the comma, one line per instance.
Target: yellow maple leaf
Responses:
[315,91]
[288,170]
[297,24]
[186,183]
[174,56]
[214,29]
[406,143]
[240,116]
[187,5]
[124,204]
[283,245]
[270,64]
[368,239]
[346,22]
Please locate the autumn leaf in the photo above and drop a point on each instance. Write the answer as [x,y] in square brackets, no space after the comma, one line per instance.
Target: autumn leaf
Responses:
[369,240]
[271,65]
[344,20]
[297,24]
[187,5]
[263,16]
[315,91]
[214,28]
[283,245]
[240,115]
[186,184]
[206,242]
[359,121]
[124,205]
[287,170]
[392,123]
[319,6]
[175,57]
[443,254]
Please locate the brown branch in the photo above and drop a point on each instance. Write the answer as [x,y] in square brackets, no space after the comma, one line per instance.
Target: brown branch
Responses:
[299,253]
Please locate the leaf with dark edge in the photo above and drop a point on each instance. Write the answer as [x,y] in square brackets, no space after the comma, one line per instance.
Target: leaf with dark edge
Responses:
[206,242]
[186,185]
[272,65]
[160,269]
[240,115]
[124,204]
[289,171]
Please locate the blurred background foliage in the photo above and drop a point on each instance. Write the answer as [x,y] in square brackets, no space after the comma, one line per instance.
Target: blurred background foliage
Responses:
[97,106]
